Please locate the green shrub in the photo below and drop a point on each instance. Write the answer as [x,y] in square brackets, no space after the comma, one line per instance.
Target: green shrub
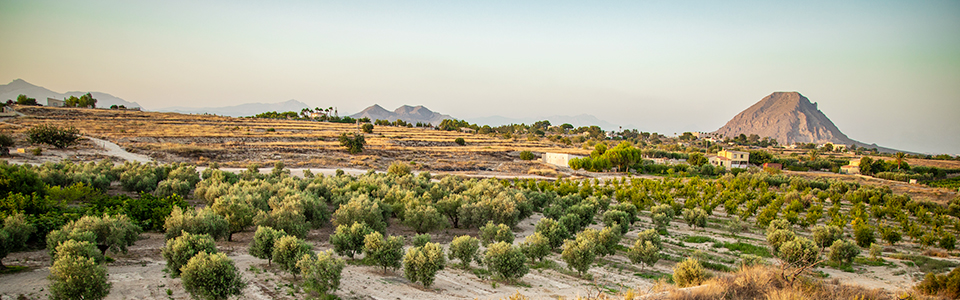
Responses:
[616,217]
[824,235]
[399,168]
[943,285]
[237,211]
[536,246]
[553,231]
[14,234]
[361,209]
[748,260]
[57,237]
[527,155]
[203,221]
[465,249]
[170,187]
[506,260]
[689,273]
[947,241]
[644,253]
[288,250]
[78,277]
[321,273]
[386,253]
[349,240]
[211,276]
[891,235]
[263,241]
[78,248]
[777,238]
[696,217]
[112,232]
[179,250]
[288,217]
[876,252]
[863,234]
[421,239]
[421,264]
[661,215]
[5,143]
[53,135]
[492,233]
[460,141]
[367,128]
[799,252]
[353,142]
[605,241]
[579,254]
[423,218]
[650,235]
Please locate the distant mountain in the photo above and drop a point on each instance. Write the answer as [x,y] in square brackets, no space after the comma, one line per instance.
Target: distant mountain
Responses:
[789,118]
[409,114]
[242,110]
[18,87]
[576,121]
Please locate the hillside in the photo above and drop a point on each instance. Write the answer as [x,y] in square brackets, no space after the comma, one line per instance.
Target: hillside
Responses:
[17,87]
[409,114]
[790,118]
[242,110]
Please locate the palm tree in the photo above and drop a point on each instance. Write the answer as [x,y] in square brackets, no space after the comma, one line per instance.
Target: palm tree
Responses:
[900,157]
[814,154]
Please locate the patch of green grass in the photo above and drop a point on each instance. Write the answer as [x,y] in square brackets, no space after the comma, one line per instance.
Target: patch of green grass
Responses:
[545,264]
[13,269]
[748,249]
[697,239]
[482,273]
[715,266]
[927,264]
[869,262]
[361,262]
[654,275]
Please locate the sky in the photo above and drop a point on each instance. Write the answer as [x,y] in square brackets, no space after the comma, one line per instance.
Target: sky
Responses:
[885,72]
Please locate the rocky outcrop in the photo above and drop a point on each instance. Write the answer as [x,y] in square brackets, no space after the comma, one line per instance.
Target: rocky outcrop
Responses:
[409,114]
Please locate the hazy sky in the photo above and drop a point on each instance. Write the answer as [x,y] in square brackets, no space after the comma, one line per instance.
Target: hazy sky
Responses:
[885,72]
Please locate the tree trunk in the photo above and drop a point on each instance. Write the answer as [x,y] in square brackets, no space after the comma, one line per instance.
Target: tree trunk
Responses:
[103,249]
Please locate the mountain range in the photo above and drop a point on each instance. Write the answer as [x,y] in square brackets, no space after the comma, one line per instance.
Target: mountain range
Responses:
[18,87]
[790,118]
[407,113]
[242,110]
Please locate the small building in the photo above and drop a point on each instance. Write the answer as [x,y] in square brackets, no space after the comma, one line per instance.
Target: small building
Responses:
[852,168]
[467,130]
[559,159]
[53,102]
[775,166]
[730,159]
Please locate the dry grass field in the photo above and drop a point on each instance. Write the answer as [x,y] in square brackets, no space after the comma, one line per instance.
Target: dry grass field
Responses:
[237,142]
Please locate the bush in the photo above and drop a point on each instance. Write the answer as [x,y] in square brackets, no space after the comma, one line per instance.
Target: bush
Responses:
[650,235]
[696,217]
[506,260]
[423,218]
[553,231]
[203,221]
[399,168]
[211,276]
[644,253]
[605,241]
[460,141]
[891,235]
[349,240]
[321,273]
[689,273]
[824,235]
[421,239]
[578,254]
[367,128]
[527,155]
[288,250]
[237,211]
[112,232]
[947,241]
[799,252]
[385,253]
[78,248]
[491,233]
[53,135]
[536,246]
[616,217]
[57,237]
[421,264]
[263,241]
[943,285]
[288,216]
[465,249]
[14,235]
[777,238]
[5,143]
[178,251]
[876,252]
[361,209]
[863,234]
[170,187]
[78,277]
[749,260]
[661,215]
[353,142]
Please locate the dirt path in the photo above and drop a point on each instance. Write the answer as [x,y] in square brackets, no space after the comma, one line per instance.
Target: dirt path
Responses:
[112,149]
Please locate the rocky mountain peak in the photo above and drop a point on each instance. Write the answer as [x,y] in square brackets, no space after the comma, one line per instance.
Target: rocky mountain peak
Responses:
[788,117]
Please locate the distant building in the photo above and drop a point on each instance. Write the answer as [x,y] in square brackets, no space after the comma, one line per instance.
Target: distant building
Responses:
[53,102]
[730,159]
[852,168]
[775,166]
[559,159]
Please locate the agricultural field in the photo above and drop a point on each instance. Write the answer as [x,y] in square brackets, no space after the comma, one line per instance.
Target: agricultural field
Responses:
[415,226]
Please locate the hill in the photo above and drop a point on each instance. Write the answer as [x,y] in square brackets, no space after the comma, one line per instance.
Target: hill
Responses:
[409,114]
[576,121]
[242,110]
[17,87]
[790,118]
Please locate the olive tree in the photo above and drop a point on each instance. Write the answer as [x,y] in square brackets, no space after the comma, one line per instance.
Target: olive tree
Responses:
[799,252]
[492,233]
[386,253]
[536,246]
[423,218]
[322,272]
[179,250]
[14,235]
[211,276]
[203,221]
[361,209]
[696,217]
[578,254]
[57,237]
[112,232]
[421,264]
[824,235]
[506,260]
[349,240]
[553,231]
[78,277]
[263,241]
[465,249]
[421,239]
[288,250]
[644,253]
[689,273]
[78,248]
[237,211]
[843,252]
[661,215]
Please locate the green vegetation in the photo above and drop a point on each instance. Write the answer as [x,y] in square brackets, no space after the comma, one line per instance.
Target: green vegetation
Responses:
[211,276]
[53,135]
